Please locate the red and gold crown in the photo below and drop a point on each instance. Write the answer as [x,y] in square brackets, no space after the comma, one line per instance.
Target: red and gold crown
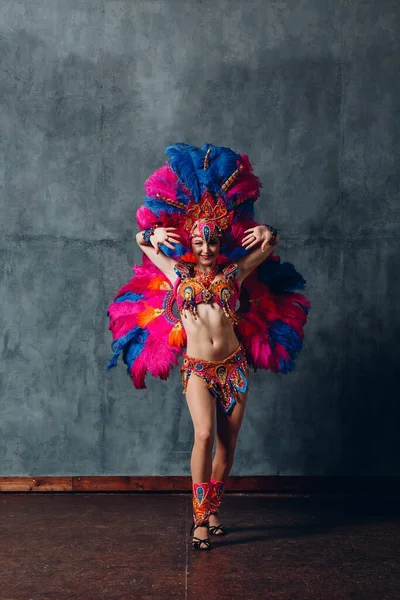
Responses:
[207,210]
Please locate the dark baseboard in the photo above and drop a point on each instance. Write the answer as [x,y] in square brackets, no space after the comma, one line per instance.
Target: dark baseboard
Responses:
[275,484]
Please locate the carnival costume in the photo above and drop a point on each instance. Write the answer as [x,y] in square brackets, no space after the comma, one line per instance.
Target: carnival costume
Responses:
[214,189]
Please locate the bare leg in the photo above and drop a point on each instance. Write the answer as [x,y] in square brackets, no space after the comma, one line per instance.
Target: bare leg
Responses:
[201,406]
[228,427]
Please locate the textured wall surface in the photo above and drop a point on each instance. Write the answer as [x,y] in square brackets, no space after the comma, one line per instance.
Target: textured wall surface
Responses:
[91,92]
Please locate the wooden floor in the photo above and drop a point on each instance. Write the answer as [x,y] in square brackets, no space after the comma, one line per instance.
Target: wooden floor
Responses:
[137,546]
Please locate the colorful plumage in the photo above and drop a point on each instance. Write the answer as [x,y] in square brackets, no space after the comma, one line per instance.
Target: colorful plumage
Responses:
[272,315]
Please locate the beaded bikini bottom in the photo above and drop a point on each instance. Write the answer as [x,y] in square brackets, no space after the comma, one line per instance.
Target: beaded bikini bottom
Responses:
[224,378]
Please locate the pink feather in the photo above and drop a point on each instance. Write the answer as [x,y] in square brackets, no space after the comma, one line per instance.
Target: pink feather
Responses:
[122,324]
[163,181]
[158,359]
[247,185]
[138,372]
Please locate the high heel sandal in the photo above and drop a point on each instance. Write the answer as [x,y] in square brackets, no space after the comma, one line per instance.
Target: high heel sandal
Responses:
[213,529]
[217,488]
[197,542]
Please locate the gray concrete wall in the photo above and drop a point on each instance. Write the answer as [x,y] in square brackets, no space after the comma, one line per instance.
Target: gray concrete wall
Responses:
[91,93]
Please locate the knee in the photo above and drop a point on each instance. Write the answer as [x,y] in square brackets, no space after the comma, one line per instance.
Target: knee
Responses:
[204,437]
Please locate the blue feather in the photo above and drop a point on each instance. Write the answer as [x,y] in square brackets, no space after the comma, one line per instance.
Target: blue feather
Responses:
[178,250]
[225,161]
[197,155]
[182,195]
[210,179]
[280,277]
[134,339]
[285,335]
[113,361]
[187,161]
[237,253]
[285,366]
[132,350]
[222,163]
[246,209]
[118,345]
[156,206]
[128,296]
[181,161]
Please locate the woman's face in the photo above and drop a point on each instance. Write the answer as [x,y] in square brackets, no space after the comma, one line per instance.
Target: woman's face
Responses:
[206,253]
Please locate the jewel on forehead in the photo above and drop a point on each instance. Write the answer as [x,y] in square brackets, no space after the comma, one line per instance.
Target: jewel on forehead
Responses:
[204,230]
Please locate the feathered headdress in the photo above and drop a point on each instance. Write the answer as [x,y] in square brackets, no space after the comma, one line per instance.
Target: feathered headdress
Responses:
[212,184]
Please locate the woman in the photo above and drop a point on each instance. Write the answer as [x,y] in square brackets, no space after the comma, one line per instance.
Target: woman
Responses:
[203,249]
[210,337]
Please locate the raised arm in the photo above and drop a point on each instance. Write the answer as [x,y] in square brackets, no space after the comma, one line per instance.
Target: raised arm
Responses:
[162,235]
[266,243]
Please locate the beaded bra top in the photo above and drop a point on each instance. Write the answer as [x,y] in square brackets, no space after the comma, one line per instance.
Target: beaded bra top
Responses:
[190,291]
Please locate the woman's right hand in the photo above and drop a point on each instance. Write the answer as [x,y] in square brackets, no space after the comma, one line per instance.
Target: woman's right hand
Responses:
[166,236]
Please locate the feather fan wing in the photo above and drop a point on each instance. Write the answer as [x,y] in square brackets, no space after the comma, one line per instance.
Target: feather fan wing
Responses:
[143,326]
[272,316]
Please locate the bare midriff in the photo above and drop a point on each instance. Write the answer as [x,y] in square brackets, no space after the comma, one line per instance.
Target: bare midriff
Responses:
[211,336]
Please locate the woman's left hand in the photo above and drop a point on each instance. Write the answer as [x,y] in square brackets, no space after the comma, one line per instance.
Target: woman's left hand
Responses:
[256,235]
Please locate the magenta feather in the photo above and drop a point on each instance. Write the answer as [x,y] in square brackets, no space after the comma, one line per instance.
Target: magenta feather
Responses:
[247,185]
[164,181]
